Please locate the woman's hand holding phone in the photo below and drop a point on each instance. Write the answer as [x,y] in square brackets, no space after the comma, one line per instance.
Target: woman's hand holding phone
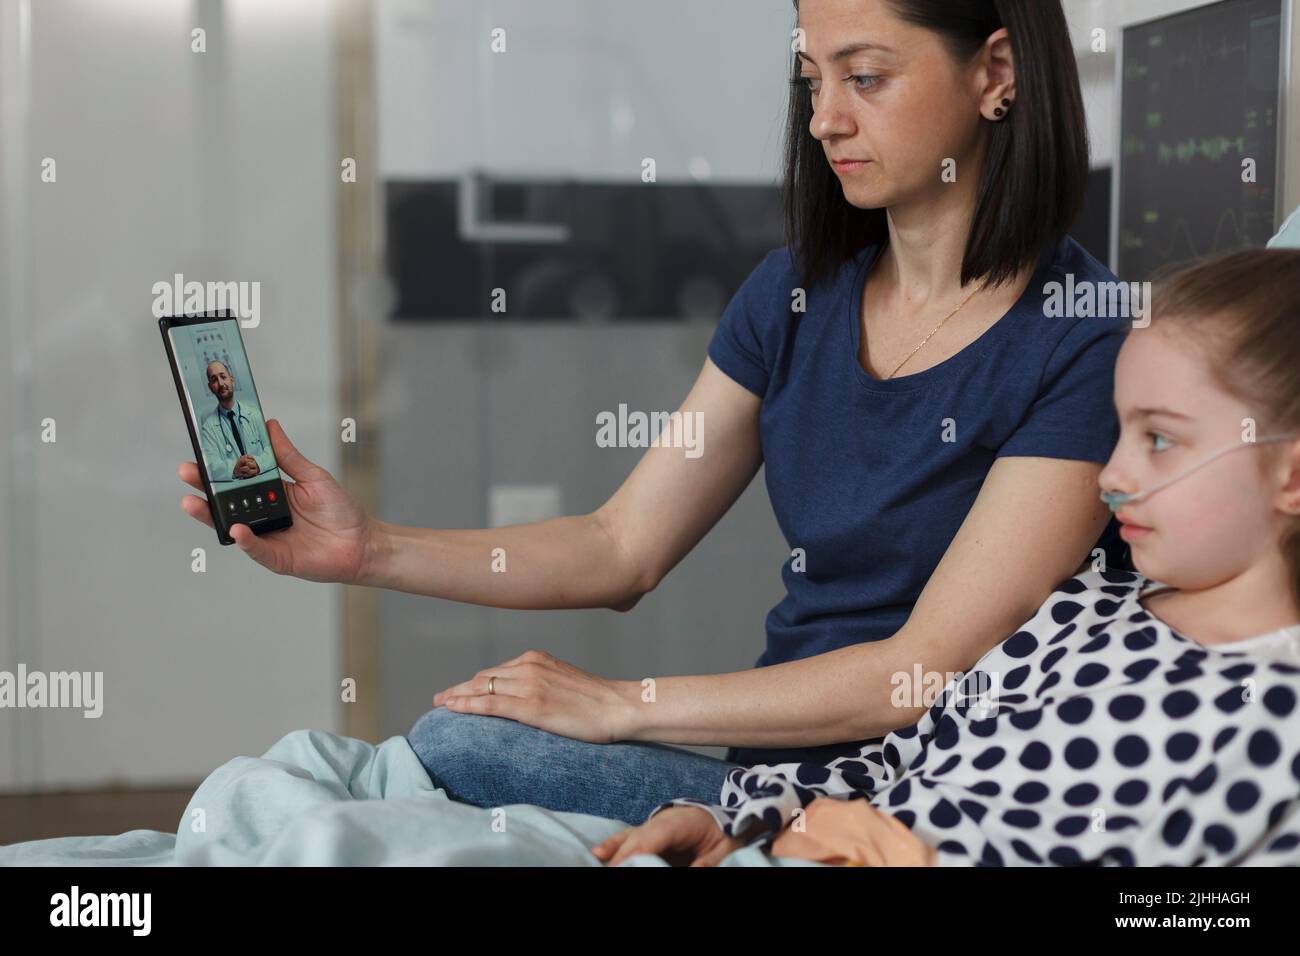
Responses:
[331,532]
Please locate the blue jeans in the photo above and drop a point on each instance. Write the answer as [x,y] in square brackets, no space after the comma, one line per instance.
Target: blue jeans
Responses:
[493,761]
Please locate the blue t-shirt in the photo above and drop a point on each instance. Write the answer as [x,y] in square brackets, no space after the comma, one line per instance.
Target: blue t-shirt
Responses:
[871,478]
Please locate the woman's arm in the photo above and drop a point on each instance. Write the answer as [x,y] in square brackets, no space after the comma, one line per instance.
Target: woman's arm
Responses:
[609,558]
[1031,526]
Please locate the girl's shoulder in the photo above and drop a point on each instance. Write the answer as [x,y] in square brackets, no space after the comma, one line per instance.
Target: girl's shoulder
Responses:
[1092,596]
[1112,583]
[1083,603]
[1111,600]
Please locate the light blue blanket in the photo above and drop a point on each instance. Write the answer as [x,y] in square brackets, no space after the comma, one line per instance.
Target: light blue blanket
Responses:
[318,799]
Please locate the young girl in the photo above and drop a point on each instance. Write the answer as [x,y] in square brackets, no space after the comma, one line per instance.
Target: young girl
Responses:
[1136,719]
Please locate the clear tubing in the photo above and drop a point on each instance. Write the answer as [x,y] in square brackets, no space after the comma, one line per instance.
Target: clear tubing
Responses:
[1117,499]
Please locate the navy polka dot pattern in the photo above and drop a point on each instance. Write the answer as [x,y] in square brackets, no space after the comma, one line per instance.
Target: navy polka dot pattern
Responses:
[1142,748]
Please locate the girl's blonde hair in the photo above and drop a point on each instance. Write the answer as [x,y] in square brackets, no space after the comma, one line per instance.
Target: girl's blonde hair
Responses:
[1243,309]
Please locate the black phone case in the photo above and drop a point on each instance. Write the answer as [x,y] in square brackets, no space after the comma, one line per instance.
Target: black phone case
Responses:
[219,521]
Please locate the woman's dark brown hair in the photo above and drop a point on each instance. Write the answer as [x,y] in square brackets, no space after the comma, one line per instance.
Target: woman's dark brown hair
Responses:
[1031,187]
[1243,310]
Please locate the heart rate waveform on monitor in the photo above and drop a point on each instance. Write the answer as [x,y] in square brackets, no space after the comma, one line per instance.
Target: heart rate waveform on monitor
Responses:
[1199,107]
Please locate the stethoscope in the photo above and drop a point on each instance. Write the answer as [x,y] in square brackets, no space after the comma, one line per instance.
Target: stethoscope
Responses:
[249,437]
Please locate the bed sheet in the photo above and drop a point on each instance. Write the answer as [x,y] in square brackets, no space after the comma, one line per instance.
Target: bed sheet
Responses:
[320,799]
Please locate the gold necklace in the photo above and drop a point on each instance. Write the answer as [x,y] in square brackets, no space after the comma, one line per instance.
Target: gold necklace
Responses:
[931,335]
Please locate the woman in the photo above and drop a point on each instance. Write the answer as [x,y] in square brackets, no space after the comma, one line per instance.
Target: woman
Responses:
[932,438]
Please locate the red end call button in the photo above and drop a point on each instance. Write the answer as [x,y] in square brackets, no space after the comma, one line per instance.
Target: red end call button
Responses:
[270,496]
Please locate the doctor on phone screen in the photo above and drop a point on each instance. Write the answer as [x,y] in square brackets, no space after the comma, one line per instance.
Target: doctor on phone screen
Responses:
[233,434]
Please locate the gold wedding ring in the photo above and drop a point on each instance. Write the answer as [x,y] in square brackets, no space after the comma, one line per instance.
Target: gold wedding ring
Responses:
[492,685]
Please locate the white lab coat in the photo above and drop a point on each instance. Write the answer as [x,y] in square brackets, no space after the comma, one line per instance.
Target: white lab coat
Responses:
[220,450]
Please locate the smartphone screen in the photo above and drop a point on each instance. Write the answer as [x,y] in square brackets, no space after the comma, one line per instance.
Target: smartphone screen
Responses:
[226,425]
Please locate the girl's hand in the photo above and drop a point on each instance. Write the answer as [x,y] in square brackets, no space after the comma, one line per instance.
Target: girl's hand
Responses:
[331,532]
[545,692]
[682,836]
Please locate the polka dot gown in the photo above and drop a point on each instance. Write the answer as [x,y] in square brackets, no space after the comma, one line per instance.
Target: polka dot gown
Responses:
[1094,735]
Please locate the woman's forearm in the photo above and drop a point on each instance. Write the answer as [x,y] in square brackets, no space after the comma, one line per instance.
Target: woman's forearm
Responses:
[1034,520]
[569,562]
[842,695]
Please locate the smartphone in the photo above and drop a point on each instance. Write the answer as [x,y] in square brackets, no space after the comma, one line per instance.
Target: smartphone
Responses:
[224,418]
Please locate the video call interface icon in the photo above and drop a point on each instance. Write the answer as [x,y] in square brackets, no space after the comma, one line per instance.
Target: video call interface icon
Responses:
[253,503]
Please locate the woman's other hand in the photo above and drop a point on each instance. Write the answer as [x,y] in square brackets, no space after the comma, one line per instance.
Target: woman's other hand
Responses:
[331,535]
[682,836]
[549,694]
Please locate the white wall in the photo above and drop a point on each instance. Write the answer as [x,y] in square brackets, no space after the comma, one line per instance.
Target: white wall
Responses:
[681,80]
[585,89]
[220,166]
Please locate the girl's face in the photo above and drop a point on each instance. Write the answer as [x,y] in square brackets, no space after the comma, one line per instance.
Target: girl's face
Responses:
[902,104]
[1221,520]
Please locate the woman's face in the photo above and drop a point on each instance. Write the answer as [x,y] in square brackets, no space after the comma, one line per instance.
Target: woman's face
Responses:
[903,104]
[1217,522]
